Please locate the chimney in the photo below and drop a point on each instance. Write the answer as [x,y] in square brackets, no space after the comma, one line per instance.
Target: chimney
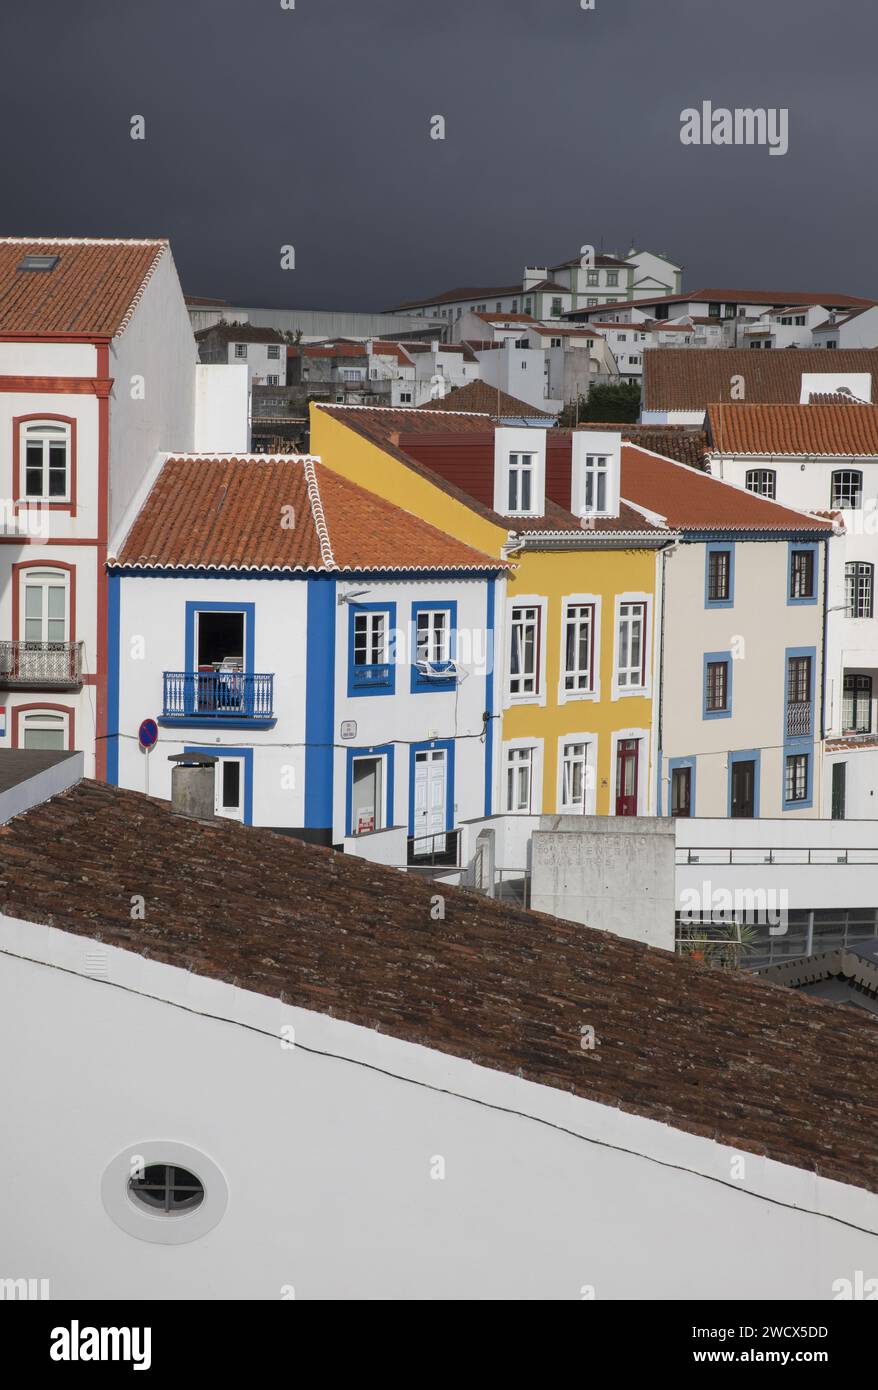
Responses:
[193,782]
[533,275]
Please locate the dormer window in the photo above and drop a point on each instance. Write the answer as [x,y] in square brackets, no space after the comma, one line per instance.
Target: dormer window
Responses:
[521,482]
[597,468]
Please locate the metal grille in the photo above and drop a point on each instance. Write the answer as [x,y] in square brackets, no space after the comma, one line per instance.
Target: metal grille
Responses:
[40,665]
[218,694]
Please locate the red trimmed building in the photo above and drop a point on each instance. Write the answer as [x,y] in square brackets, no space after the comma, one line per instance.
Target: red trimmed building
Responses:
[97,376]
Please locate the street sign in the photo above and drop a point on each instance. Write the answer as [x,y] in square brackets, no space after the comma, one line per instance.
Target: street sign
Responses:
[148,734]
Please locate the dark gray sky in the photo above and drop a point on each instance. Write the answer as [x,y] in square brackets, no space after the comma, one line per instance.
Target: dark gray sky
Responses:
[311,127]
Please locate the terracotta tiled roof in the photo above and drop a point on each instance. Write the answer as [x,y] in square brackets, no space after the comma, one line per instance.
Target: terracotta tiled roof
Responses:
[228,514]
[482,399]
[341,348]
[395,350]
[690,378]
[720,1054]
[694,501]
[831,430]
[507,318]
[91,292]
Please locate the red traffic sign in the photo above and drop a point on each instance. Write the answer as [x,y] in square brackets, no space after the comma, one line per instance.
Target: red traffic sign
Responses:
[148,734]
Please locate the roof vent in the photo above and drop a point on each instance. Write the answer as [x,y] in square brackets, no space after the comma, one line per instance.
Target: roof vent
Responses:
[44,263]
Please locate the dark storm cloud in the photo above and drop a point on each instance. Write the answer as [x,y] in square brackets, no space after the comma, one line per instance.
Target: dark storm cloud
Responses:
[311,126]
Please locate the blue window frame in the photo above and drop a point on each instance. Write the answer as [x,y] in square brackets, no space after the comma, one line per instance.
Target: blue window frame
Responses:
[246,756]
[746,755]
[371,634]
[716,699]
[420,626]
[193,608]
[385,752]
[802,572]
[800,720]
[719,574]
[218,698]
[675,765]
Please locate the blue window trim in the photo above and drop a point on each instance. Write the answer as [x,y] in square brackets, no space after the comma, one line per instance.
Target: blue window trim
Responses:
[385,686]
[448,745]
[673,764]
[793,744]
[746,755]
[709,550]
[385,750]
[320,702]
[813,547]
[249,611]
[246,754]
[421,684]
[717,713]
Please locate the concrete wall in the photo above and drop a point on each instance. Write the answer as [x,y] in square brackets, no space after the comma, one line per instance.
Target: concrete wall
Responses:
[612,874]
[222,404]
[323,1160]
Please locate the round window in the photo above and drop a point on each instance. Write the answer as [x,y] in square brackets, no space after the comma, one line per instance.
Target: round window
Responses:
[168,1188]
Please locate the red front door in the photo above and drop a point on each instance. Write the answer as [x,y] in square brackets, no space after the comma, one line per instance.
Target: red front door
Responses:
[626,776]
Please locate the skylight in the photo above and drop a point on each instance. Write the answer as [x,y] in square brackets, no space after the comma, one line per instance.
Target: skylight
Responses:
[39,263]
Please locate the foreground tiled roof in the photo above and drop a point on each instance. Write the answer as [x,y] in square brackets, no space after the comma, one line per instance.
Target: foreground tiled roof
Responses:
[723,1055]
[694,501]
[229,513]
[91,292]
[690,378]
[482,399]
[831,430]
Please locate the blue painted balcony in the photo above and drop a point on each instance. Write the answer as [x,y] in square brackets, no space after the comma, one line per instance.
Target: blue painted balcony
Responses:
[208,696]
[369,677]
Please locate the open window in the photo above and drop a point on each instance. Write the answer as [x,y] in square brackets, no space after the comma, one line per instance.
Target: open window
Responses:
[367,795]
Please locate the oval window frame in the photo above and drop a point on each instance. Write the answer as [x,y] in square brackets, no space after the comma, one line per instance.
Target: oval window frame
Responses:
[159,1227]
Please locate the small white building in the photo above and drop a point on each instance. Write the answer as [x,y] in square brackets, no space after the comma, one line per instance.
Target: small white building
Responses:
[333,653]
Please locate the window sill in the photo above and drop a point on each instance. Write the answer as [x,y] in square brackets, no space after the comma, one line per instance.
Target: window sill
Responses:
[204,721]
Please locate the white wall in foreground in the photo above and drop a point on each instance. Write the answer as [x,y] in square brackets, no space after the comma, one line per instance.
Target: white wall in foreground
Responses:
[328,1160]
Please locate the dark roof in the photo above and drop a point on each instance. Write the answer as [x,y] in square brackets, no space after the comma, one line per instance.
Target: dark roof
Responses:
[685,443]
[856,965]
[19,764]
[713,1053]
[598,261]
[711,295]
[691,378]
[92,291]
[458,295]
[240,333]
[482,399]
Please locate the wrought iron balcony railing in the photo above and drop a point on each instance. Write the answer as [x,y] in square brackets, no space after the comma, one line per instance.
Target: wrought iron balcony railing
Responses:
[799,719]
[363,677]
[40,665]
[218,695]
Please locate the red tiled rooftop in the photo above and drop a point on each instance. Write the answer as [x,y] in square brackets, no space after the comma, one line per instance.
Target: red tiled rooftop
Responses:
[830,430]
[91,292]
[483,399]
[690,378]
[226,513]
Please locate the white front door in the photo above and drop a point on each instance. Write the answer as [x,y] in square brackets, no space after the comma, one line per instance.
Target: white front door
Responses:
[430,801]
[229,797]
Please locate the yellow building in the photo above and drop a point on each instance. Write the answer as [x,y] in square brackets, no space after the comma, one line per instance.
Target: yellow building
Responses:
[578,640]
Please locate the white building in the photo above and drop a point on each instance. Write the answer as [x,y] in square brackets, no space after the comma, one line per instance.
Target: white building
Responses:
[334,653]
[99,372]
[263,351]
[824,458]
[399,1096]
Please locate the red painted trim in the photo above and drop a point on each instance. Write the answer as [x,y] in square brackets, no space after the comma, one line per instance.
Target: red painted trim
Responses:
[69,710]
[18,500]
[57,385]
[103,373]
[52,540]
[16,592]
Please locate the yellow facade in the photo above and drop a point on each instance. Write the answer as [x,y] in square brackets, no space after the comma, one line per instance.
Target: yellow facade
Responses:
[550,575]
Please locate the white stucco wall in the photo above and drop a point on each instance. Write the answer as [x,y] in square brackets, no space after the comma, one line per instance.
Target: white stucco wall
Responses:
[328,1151]
[222,408]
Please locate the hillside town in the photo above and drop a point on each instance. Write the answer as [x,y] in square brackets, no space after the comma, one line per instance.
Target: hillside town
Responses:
[464,713]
